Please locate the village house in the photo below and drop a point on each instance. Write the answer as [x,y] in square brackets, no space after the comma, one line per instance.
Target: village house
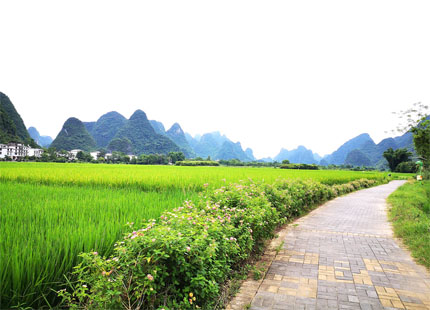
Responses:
[18,150]
[95,155]
[73,154]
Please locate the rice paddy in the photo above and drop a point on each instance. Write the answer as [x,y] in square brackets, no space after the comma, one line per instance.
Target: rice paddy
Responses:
[49,213]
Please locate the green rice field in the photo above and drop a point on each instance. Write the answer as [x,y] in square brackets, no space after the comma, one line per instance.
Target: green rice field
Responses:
[49,213]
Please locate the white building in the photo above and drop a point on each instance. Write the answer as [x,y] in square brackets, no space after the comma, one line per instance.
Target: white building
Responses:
[35,152]
[18,150]
[95,155]
[74,153]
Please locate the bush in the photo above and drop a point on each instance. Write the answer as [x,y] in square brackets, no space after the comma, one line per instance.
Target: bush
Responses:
[183,260]
[299,166]
[407,167]
[197,163]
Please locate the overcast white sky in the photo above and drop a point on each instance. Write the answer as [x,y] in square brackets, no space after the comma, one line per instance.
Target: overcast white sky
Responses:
[269,74]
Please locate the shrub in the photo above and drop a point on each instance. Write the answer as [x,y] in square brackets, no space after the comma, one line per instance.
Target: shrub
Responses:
[182,260]
[299,166]
[406,167]
[197,163]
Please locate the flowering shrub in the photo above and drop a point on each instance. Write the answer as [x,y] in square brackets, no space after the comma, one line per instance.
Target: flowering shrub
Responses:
[182,260]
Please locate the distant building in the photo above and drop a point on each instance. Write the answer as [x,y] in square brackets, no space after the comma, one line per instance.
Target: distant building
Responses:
[73,154]
[35,152]
[18,150]
[132,156]
[95,155]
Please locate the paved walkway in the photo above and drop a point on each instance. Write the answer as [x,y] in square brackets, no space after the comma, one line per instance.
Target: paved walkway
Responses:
[341,256]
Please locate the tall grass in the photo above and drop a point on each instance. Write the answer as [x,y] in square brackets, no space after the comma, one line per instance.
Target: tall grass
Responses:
[410,214]
[162,178]
[44,228]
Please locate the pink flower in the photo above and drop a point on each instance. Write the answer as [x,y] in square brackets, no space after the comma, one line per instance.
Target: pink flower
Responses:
[188,249]
[150,277]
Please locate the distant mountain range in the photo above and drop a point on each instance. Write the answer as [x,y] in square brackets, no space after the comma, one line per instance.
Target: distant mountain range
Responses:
[217,146]
[138,135]
[300,155]
[44,141]
[363,151]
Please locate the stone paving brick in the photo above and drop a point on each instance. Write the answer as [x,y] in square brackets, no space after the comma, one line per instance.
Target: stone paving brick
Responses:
[340,256]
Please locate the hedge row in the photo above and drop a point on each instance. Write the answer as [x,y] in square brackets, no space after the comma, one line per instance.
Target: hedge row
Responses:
[182,260]
[197,163]
[299,166]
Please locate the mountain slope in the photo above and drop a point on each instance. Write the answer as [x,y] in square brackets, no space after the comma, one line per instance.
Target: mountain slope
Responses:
[230,150]
[338,157]
[7,128]
[89,126]
[250,154]
[210,144]
[107,127]
[44,141]
[144,139]
[12,128]
[357,158]
[158,127]
[74,135]
[176,134]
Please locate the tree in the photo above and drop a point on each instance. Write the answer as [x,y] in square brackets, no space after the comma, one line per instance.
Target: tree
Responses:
[176,156]
[394,158]
[84,156]
[417,121]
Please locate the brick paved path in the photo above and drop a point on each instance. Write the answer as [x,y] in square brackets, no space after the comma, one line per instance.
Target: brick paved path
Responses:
[342,256]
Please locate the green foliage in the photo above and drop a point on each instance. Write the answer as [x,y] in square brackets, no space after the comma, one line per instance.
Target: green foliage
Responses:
[123,145]
[143,137]
[285,162]
[410,214]
[416,120]
[74,135]
[406,167]
[182,260]
[396,157]
[84,156]
[176,156]
[153,159]
[299,166]
[421,134]
[194,163]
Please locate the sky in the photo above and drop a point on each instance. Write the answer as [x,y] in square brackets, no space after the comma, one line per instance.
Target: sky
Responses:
[269,74]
